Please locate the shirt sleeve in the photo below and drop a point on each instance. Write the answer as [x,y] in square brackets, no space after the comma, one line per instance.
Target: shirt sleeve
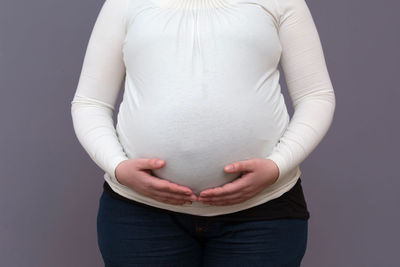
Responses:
[101,77]
[308,82]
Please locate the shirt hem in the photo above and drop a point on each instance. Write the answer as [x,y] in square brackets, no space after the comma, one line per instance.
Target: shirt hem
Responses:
[198,208]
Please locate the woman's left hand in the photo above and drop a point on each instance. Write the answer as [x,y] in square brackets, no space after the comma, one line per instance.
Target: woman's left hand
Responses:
[257,174]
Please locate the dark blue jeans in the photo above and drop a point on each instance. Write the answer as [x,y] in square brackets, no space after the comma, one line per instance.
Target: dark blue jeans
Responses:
[134,235]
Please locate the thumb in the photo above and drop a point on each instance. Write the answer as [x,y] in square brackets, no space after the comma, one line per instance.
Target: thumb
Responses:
[153,163]
[239,166]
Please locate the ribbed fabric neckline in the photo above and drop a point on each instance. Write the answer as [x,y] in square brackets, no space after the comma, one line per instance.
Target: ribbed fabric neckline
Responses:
[194,4]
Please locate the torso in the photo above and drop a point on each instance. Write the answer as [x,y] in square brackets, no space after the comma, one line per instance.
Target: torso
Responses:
[202,88]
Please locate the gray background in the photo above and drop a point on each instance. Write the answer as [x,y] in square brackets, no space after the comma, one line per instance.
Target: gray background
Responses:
[50,188]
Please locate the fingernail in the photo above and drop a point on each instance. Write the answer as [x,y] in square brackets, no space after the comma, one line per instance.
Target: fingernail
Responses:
[229,167]
[158,162]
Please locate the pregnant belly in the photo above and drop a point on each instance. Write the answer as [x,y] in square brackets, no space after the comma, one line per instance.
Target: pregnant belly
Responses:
[198,140]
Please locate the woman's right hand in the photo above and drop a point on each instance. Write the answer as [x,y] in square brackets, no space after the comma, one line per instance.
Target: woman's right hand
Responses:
[136,174]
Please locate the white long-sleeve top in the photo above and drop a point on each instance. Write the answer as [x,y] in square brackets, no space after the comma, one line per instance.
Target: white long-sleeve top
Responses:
[201,90]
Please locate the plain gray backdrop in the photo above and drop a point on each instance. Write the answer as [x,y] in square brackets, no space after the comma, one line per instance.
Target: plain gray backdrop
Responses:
[50,188]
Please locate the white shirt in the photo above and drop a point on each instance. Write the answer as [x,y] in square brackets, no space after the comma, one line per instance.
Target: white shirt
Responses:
[201,90]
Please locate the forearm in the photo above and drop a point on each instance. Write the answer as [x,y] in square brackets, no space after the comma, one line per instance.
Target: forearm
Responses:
[94,128]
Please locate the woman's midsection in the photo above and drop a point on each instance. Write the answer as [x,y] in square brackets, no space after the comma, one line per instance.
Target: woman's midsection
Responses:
[197,136]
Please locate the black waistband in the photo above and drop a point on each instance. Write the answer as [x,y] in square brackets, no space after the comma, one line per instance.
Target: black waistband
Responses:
[291,204]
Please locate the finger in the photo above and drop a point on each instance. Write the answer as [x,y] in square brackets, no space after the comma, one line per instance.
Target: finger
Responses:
[154,163]
[166,186]
[169,199]
[231,197]
[175,196]
[227,189]
[240,166]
